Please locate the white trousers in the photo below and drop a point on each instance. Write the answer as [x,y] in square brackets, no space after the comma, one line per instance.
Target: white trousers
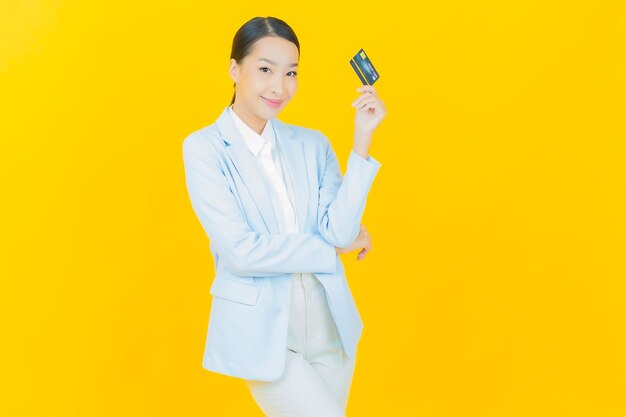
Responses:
[318,374]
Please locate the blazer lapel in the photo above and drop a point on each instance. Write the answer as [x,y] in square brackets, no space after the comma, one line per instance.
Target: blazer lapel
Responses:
[293,152]
[246,165]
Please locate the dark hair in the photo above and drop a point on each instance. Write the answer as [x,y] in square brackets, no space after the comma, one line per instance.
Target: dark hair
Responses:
[255,29]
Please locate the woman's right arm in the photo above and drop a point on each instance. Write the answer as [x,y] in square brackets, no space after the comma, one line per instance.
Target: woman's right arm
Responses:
[245,252]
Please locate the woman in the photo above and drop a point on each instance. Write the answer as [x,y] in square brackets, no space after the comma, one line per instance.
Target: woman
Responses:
[272,200]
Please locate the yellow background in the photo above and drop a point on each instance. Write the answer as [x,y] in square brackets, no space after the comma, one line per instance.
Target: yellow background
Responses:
[496,286]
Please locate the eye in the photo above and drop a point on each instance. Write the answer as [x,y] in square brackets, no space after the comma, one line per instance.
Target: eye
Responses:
[264,68]
[294,73]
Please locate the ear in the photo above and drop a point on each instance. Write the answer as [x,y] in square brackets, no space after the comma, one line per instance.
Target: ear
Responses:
[233,70]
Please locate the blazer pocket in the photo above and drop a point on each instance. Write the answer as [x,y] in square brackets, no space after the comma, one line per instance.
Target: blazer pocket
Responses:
[232,290]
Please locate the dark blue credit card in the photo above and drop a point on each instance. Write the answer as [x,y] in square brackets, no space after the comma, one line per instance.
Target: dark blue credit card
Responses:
[364,68]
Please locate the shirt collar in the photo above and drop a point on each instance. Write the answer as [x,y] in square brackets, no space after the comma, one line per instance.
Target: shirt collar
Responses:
[253,140]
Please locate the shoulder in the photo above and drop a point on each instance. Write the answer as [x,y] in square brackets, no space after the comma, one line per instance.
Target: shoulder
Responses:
[205,139]
[204,148]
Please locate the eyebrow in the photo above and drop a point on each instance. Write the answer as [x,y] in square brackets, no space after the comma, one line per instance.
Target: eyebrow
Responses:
[274,63]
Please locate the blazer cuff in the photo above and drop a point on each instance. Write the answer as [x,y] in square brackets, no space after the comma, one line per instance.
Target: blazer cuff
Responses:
[329,260]
[365,169]
[355,158]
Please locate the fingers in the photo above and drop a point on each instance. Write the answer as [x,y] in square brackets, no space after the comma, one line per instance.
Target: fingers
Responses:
[367,88]
[365,242]
[367,97]
[368,106]
[368,245]
[367,248]
[360,102]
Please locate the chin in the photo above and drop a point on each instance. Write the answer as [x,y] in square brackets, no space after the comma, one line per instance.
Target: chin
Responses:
[264,115]
[270,113]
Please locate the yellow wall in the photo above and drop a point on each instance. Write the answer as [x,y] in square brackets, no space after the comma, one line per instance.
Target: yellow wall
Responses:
[496,284]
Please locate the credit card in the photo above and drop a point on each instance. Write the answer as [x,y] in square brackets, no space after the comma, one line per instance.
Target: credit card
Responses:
[364,68]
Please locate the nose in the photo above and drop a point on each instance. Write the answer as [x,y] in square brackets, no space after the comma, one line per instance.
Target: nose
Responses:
[277,87]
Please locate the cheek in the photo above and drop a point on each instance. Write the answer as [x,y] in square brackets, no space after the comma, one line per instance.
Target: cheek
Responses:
[261,85]
[253,83]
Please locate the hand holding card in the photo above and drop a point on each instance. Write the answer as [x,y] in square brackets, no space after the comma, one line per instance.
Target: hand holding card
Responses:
[364,68]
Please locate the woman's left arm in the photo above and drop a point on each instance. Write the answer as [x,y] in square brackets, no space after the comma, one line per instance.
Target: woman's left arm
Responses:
[342,199]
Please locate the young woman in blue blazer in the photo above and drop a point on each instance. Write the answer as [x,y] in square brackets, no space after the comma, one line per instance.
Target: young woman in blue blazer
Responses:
[271,198]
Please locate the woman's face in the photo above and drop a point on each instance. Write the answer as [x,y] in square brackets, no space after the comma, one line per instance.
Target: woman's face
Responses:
[265,80]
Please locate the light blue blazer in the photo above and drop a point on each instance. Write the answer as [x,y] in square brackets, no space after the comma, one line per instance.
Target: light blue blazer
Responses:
[247,330]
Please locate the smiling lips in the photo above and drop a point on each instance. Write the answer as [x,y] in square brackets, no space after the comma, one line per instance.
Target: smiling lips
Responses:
[272,103]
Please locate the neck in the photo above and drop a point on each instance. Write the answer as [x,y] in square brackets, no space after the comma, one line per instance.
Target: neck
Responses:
[255,123]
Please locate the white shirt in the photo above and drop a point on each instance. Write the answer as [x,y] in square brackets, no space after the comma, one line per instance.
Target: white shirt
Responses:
[263,147]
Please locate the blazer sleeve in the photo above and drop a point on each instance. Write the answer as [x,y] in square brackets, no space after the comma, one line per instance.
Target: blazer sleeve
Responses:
[245,252]
[342,199]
